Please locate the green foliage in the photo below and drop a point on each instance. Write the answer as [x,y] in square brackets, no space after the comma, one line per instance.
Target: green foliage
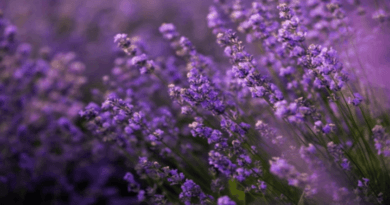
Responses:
[240,195]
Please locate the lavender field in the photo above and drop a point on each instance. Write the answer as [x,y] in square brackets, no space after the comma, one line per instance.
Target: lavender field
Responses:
[211,102]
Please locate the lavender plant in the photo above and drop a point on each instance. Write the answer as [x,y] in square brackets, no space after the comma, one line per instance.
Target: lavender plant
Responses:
[282,111]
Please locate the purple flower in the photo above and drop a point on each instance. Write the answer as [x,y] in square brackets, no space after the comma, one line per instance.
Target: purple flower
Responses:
[175,178]
[169,31]
[191,190]
[356,100]
[225,200]
[382,140]
[132,186]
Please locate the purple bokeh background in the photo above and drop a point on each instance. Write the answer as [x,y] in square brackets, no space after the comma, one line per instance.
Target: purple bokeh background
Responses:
[87,27]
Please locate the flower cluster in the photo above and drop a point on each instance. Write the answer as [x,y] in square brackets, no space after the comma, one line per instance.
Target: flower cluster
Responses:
[44,148]
[382,140]
[275,107]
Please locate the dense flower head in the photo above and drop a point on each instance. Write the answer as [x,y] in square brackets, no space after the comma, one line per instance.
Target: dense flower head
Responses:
[175,178]
[139,60]
[222,163]
[382,140]
[192,190]
[168,30]
[356,100]
[281,168]
[337,153]
[225,200]
[132,184]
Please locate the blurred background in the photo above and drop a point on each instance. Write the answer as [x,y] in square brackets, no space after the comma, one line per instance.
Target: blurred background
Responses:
[87,28]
